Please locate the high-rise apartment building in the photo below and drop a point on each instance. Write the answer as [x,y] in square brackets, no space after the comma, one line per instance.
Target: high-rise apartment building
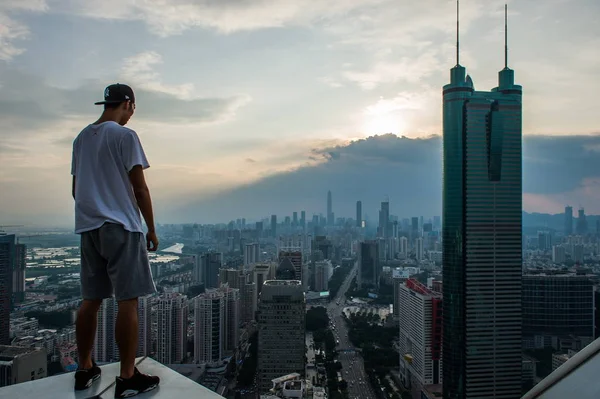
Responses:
[358,213]
[281,331]
[557,307]
[263,272]
[172,322]
[209,326]
[105,346]
[568,220]
[403,247]
[420,339]
[210,264]
[303,219]
[251,254]
[7,262]
[558,254]
[419,249]
[369,268]
[482,239]
[197,275]
[231,319]
[582,225]
[323,272]
[144,326]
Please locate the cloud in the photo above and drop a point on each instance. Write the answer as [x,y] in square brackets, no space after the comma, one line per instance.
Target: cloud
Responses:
[28,103]
[556,171]
[13,31]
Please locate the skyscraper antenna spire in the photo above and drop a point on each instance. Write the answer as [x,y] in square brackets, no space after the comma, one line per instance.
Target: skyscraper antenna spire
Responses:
[505,35]
[457,33]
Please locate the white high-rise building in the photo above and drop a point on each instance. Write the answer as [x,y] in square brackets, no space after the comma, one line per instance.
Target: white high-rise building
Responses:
[419,250]
[251,254]
[105,347]
[209,325]
[144,326]
[420,339]
[403,247]
[172,321]
[323,272]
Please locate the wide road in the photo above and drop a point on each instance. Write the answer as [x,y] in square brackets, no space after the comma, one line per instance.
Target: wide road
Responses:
[352,363]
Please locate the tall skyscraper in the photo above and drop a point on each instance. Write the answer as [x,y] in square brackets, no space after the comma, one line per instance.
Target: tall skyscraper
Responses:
[582,226]
[7,262]
[172,321]
[369,268]
[295,256]
[231,318]
[273,225]
[419,250]
[384,220]
[281,331]
[358,213]
[303,219]
[144,326]
[209,326]
[482,243]
[295,219]
[330,216]
[568,220]
[210,264]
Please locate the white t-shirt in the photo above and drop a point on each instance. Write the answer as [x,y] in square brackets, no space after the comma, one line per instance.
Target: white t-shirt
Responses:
[103,156]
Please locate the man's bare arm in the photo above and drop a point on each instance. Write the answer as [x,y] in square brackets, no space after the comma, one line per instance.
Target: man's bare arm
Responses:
[142,195]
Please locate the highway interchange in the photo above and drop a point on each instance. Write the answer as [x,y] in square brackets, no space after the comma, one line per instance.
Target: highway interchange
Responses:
[353,370]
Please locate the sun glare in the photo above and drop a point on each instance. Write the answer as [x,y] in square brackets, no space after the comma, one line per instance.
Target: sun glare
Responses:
[383,117]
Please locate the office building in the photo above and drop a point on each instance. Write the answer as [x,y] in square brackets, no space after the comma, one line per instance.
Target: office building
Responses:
[231,318]
[420,339]
[197,275]
[19,365]
[18,276]
[294,219]
[384,220]
[568,220]
[303,219]
[263,272]
[295,257]
[211,263]
[209,326]
[582,226]
[358,213]
[403,247]
[172,323]
[555,308]
[281,331]
[369,268]
[482,238]
[7,262]
[251,254]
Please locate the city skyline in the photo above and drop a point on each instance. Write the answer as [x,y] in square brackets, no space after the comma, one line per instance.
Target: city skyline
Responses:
[359,77]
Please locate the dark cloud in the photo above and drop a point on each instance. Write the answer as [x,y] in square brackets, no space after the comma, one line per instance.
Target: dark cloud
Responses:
[406,170]
[250,160]
[27,103]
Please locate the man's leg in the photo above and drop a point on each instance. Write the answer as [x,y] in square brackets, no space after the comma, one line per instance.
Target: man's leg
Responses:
[85,330]
[127,335]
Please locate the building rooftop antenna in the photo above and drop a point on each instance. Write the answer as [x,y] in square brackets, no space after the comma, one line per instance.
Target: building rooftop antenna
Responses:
[505,36]
[457,33]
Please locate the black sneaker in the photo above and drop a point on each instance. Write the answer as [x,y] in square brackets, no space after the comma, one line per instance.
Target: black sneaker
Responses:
[139,383]
[85,378]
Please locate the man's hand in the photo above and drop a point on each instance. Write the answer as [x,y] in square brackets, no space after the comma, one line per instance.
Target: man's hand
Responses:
[151,241]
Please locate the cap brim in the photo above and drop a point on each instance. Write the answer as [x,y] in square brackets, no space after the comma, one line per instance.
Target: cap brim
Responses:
[108,102]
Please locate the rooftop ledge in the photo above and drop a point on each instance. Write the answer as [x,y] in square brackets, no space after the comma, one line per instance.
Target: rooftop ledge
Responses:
[172,385]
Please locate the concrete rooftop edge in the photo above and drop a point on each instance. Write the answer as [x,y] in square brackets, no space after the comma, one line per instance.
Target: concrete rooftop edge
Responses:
[172,385]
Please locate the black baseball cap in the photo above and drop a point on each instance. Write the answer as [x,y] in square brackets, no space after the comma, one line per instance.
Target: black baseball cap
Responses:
[116,94]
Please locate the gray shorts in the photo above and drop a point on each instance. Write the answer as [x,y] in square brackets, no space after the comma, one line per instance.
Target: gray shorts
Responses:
[114,261]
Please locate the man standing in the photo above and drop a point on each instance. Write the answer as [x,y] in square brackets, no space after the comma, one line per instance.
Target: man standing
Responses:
[110,191]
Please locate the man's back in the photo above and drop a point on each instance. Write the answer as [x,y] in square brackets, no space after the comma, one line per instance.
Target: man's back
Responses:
[103,156]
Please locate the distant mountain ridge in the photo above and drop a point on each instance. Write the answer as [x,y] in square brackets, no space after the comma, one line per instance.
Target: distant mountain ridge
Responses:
[555,222]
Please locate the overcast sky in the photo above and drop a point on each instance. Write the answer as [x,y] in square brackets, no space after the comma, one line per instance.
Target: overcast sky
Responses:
[234,94]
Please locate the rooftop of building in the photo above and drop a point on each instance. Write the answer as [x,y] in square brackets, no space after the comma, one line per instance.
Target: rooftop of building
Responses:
[172,385]
[10,352]
[283,282]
